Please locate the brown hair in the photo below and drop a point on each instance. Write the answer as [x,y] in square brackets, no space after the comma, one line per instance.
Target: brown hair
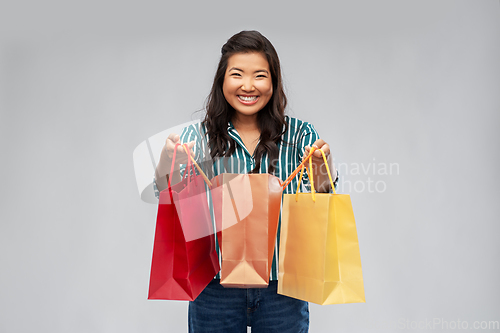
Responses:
[271,119]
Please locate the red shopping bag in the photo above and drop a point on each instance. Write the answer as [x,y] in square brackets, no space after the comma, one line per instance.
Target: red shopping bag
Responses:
[184,257]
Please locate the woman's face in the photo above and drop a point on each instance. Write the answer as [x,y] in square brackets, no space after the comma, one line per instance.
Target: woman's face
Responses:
[248,85]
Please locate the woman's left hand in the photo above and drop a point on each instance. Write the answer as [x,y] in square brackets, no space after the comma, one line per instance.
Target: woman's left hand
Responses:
[319,166]
[317,157]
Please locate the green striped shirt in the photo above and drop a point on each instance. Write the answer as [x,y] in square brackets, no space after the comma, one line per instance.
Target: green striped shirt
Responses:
[299,135]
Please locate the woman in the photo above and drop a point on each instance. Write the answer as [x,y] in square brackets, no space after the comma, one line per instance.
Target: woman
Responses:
[245,122]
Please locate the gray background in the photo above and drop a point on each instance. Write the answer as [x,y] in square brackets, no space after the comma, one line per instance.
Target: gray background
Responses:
[409,82]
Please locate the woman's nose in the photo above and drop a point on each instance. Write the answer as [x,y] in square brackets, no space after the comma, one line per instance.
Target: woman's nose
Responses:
[247,85]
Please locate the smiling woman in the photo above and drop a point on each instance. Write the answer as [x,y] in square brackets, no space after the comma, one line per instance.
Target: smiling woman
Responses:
[248,84]
[247,92]
[247,88]
[245,120]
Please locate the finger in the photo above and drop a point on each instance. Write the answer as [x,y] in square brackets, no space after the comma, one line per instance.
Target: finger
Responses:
[325,148]
[318,143]
[317,153]
[307,149]
[191,146]
[175,138]
[181,151]
[170,144]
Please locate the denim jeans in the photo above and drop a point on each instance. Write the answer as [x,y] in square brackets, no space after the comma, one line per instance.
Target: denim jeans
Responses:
[228,310]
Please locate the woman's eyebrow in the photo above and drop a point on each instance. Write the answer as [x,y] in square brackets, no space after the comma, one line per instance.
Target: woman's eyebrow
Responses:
[257,71]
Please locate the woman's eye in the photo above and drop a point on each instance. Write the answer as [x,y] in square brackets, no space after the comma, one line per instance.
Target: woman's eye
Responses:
[235,74]
[261,75]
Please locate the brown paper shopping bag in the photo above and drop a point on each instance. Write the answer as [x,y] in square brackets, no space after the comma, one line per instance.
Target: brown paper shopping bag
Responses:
[246,210]
[319,251]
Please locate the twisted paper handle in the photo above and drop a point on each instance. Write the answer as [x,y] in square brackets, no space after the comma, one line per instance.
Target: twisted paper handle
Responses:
[188,152]
[296,171]
[309,171]
[190,163]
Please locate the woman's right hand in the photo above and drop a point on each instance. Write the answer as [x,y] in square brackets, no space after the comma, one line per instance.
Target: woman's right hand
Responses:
[181,156]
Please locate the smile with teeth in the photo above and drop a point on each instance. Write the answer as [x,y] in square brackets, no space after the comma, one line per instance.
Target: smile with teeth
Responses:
[248,98]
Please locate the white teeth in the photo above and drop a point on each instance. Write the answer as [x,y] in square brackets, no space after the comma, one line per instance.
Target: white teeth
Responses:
[248,99]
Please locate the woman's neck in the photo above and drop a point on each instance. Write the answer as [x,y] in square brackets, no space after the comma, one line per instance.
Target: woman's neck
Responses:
[246,123]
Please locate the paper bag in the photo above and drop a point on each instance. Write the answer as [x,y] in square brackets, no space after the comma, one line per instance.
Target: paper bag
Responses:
[184,257]
[246,210]
[319,251]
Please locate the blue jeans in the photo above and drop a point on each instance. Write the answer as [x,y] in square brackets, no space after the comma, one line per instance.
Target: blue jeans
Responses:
[228,310]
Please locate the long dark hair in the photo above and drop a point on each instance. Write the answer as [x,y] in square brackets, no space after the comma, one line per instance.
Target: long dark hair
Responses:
[271,119]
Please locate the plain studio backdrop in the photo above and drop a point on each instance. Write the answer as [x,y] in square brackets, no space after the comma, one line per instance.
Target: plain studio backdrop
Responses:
[405,92]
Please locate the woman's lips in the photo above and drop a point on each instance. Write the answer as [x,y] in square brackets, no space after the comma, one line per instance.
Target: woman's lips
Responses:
[248,100]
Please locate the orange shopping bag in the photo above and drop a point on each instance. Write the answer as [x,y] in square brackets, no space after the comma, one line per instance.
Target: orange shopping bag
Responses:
[319,252]
[246,210]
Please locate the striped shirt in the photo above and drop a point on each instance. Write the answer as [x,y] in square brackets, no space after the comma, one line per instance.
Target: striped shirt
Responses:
[299,135]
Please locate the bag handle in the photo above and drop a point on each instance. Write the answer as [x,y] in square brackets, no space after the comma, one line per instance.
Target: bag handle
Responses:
[311,178]
[296,171]
[190,158]
[328,170]
[190,163]
[189,167]
[173,164]
[186,172]
[310,173]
